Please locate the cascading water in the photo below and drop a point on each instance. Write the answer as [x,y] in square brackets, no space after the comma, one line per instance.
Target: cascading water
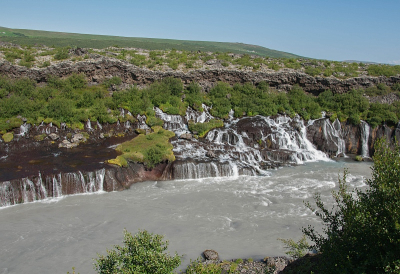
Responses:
[24,129]
[33,189]
[252,144]
[89,125]
[333,135]
[365,128]
[99,126]
[173,123]
[142,122]
[199,117]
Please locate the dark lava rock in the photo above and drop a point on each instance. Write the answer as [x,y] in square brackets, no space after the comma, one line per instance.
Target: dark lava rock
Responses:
[211,255]
[210,154]
[186,136]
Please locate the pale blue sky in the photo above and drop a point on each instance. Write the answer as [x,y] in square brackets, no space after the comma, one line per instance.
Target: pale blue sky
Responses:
[362,30]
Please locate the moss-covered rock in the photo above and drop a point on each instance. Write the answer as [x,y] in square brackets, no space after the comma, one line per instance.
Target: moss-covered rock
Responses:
[149,149]
[8,137]
[40,137]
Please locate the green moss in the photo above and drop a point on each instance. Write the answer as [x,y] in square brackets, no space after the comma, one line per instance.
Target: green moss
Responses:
[40,137]
[77,125]
[119,161]
[154,121]
[149,149]
[8,137]
[358,158]
[140,131]
[203,128]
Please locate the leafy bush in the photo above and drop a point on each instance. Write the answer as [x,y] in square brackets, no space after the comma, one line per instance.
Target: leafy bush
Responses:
[313,71]
[142,253]
[61,54]
[383,70]
[154,156]
[296,249]
[203,128]
[115,80]
[362,231]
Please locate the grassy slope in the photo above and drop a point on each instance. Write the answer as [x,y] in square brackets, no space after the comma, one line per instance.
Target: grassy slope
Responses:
[62,39]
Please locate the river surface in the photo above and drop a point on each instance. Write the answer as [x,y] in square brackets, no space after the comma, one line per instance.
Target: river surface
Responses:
[239,217]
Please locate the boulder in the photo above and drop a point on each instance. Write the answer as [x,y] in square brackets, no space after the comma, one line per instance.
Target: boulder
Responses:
[211,255]
[54,136]
[67,144]
[186,136]
[78,137]
[211,154]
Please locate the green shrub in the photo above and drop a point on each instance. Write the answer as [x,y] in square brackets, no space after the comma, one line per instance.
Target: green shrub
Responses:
[142,253]
[383,70]
[358,158]
[61,54]
[362,232]
[313,71]
[296,249]
[203,128]
[45,64]
[115,80]
[153,155]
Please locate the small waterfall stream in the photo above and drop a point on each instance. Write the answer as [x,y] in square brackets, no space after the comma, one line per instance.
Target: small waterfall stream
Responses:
[365,129]
[53,186]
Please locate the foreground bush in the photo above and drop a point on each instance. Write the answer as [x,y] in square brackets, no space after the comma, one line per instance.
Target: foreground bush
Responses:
[362,232]
[142,253]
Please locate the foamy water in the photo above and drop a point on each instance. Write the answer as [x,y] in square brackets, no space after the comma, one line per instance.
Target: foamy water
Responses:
[239,217]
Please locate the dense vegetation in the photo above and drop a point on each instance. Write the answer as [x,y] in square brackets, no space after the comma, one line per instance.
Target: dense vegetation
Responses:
[151,148]
[142,253]
[73,102]
[361,233]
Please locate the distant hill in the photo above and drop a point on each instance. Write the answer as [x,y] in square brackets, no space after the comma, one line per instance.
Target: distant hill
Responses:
[62,39]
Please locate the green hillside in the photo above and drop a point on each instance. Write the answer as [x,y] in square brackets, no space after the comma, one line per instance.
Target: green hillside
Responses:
[62,39]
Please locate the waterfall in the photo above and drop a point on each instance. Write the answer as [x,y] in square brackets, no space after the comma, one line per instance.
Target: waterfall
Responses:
[99,126]
[7,194]
[55,186]
[333,134]
[365,128]
[173,123]
[142,121]
[89,125]
[197,170]
[24,129]
[291,135]
[199,117]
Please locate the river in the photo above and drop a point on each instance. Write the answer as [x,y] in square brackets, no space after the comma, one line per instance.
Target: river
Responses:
[239,217]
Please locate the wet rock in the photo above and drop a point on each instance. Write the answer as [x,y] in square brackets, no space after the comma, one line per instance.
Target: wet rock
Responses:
[211,255]
[54,136]
[277,264]
[67,144]
[186,136]
[78,137]
[211,154]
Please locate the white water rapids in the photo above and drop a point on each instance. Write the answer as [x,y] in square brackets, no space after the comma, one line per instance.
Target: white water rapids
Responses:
[239,217]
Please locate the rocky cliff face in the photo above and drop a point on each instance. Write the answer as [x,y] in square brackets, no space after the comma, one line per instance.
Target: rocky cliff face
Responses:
[100,68]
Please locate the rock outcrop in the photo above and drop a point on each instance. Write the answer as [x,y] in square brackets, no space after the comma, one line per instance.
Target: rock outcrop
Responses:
[101,68]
